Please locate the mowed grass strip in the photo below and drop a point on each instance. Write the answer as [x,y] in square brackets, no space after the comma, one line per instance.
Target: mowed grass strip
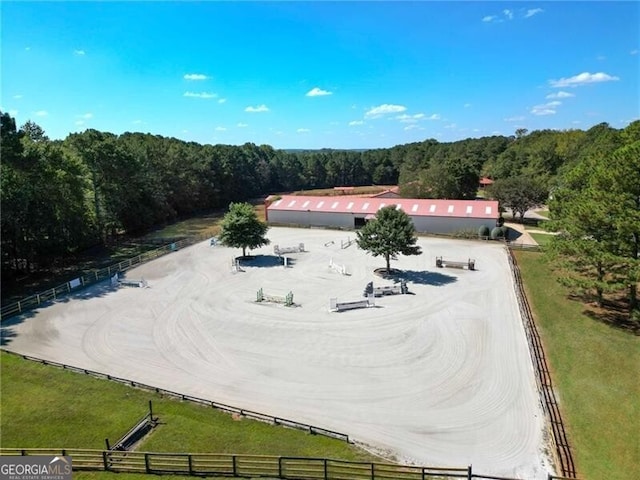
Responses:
[596,372]
[541,239]
[47,407]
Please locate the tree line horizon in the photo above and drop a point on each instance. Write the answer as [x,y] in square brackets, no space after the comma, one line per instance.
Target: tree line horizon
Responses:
[60,197]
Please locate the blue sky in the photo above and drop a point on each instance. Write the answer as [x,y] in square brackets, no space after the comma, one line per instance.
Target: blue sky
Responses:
[320,74]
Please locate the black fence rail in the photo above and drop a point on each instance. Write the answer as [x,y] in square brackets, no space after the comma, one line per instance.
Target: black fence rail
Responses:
[263,417]
[249,466]
[90,278]
[563,456]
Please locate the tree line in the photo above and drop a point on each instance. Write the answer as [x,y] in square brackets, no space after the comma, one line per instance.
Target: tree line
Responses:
[62,196]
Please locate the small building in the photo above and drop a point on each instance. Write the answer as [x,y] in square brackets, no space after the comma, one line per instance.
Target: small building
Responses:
[428,215]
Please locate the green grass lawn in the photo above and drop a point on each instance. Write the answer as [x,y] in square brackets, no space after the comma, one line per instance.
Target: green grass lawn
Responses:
[541,238]
[595,370]
[44,406]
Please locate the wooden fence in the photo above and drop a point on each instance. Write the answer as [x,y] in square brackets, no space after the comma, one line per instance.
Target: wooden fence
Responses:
[248,466]
[263,417]
[93,277]
[563,456]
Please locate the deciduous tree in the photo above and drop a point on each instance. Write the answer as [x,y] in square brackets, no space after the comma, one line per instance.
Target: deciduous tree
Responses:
[390,233]
[241,228]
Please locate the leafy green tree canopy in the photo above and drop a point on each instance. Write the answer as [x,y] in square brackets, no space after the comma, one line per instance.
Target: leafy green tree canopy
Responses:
[241,228]
[519,194]
[390,233]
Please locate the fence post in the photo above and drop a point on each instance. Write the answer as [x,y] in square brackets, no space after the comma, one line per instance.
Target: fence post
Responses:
[105,461]
[150,410]
[106,442]
[146,463]
[469,473]
[19,308]
[68,287]
[190,464]
[326,470]
[235,465]
[279,467]
[373,471]
[38,297]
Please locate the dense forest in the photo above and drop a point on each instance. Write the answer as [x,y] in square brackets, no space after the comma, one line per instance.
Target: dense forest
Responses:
[63,196]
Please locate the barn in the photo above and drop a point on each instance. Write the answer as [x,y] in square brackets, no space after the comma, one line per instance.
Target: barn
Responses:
[428,215]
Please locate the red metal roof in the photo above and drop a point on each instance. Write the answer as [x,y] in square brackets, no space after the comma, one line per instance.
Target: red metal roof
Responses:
[412,206]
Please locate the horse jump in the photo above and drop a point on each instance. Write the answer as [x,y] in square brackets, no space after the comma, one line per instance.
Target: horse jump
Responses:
[235,266]
[116,280]
[336,306]
[334,267]
[287,300]
[469,264]
[386,290]
[282,250]
[346,244]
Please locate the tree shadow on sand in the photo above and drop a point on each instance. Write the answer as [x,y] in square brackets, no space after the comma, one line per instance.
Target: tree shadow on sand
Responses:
[265,261]
[435,279]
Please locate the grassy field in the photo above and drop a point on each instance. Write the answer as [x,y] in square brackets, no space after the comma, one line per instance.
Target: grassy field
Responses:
[595,368]
[328,192]
[542,239]
[71,410]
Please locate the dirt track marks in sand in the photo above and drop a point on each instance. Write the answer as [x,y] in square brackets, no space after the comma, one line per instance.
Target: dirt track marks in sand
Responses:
[439,377]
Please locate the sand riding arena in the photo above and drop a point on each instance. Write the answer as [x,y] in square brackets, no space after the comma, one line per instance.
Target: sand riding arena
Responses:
[431,367]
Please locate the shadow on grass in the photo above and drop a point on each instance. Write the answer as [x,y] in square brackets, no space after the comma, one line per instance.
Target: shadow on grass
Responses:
[614,317]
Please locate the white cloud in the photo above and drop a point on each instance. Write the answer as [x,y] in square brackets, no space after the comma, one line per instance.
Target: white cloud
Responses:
[583,78]
[412,127]
[435,116]
[41,113]
[601,58]
[355,122]
[496,132]
[221,129]
[451,125]
[222,100]
[489,18]
[17,97]
[633,52]
[467,105]
[80,123]
[79,53]
[318,92]
[27,48]
[195,76]
[242,125]
[404,118]
[577,122]
[514,119]
[560,94]
[259,108]
[303,130]
[508,13]
[384,109]
[137,122]
[86,116]
[533,11]
[200,95]
[546,108]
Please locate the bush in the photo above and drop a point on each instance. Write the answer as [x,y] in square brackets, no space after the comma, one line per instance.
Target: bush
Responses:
[484,231]
[497,232]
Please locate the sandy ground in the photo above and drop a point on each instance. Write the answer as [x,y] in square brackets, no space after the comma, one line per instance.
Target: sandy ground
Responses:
[441,377]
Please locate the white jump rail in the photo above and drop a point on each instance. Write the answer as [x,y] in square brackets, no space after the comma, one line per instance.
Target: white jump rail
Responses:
[336,306]
[282,250]
[469,264]
[399,289]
